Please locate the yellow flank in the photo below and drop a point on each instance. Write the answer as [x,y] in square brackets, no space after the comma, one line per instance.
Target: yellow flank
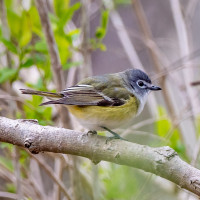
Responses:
[103,113]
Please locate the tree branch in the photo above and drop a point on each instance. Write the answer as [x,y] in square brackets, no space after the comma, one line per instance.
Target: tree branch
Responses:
[162,161]
[56,67]
[53,50]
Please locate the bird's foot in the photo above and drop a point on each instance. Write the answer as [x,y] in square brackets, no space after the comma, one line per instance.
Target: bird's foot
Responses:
[115,135]
[91,133]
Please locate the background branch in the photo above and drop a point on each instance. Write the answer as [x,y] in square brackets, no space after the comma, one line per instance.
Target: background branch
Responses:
[52,175]
[128,47]
[54,56]
[158,64]
[53,50]
[162,161]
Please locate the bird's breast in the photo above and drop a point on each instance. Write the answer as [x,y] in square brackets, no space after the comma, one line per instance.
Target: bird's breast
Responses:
[109,116]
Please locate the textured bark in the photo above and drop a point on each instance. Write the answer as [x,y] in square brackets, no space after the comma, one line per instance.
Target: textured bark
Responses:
[162,161]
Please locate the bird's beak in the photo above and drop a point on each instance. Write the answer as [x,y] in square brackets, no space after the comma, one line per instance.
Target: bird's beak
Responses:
[153,87]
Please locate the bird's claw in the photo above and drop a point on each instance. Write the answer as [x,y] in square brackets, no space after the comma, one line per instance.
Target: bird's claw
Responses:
[91,133]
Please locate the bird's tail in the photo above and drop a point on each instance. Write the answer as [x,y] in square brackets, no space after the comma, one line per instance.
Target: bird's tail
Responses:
[40,93]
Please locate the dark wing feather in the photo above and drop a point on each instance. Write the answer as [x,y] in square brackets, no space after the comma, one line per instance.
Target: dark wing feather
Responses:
[105,90]
[85,95]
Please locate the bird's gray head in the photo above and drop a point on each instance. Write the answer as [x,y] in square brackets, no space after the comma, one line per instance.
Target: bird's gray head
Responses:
[140,84]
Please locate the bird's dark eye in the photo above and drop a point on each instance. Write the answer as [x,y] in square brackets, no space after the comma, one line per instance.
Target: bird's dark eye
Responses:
[140,83]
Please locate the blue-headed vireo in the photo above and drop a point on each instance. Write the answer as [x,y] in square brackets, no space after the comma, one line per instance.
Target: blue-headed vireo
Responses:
[106,102]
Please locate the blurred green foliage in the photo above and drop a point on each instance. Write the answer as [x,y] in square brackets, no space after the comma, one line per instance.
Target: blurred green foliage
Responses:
[11,187]
[166,130]
[100,33]
[27,46]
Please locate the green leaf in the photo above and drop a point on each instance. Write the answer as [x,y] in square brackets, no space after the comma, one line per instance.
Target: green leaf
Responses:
[104,19]
[39,85]
[197,121]
[6,145]
[54,19]
[9,45]
[7,74]
[47,113]
[61,6]
[101,30]
[26,31]
[8,3]
[164,125]
[42,113]
[14,22]
[29,62]
[35,20]
[74,34]
[23,157]
[100,33]
[69,13]
[39,58]
[10,187]
[18,115]
[63,45]
[20,26]
[117,191]
[64,12]
[41,46]
[102,47]
[34,60]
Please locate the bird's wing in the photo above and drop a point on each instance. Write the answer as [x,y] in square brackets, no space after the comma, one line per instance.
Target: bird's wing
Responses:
[105,90]
[111,85]
[85,95]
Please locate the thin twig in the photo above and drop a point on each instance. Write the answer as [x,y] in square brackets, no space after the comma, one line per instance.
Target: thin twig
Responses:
[15,98]
[28,189]
[184,49]
[8,195]
[17,172]
[58,167]
[50,172]
[195,83]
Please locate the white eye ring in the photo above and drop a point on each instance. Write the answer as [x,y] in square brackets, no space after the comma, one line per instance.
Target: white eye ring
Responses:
[141,84]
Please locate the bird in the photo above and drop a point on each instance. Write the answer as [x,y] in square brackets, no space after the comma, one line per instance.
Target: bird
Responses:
[104,102]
